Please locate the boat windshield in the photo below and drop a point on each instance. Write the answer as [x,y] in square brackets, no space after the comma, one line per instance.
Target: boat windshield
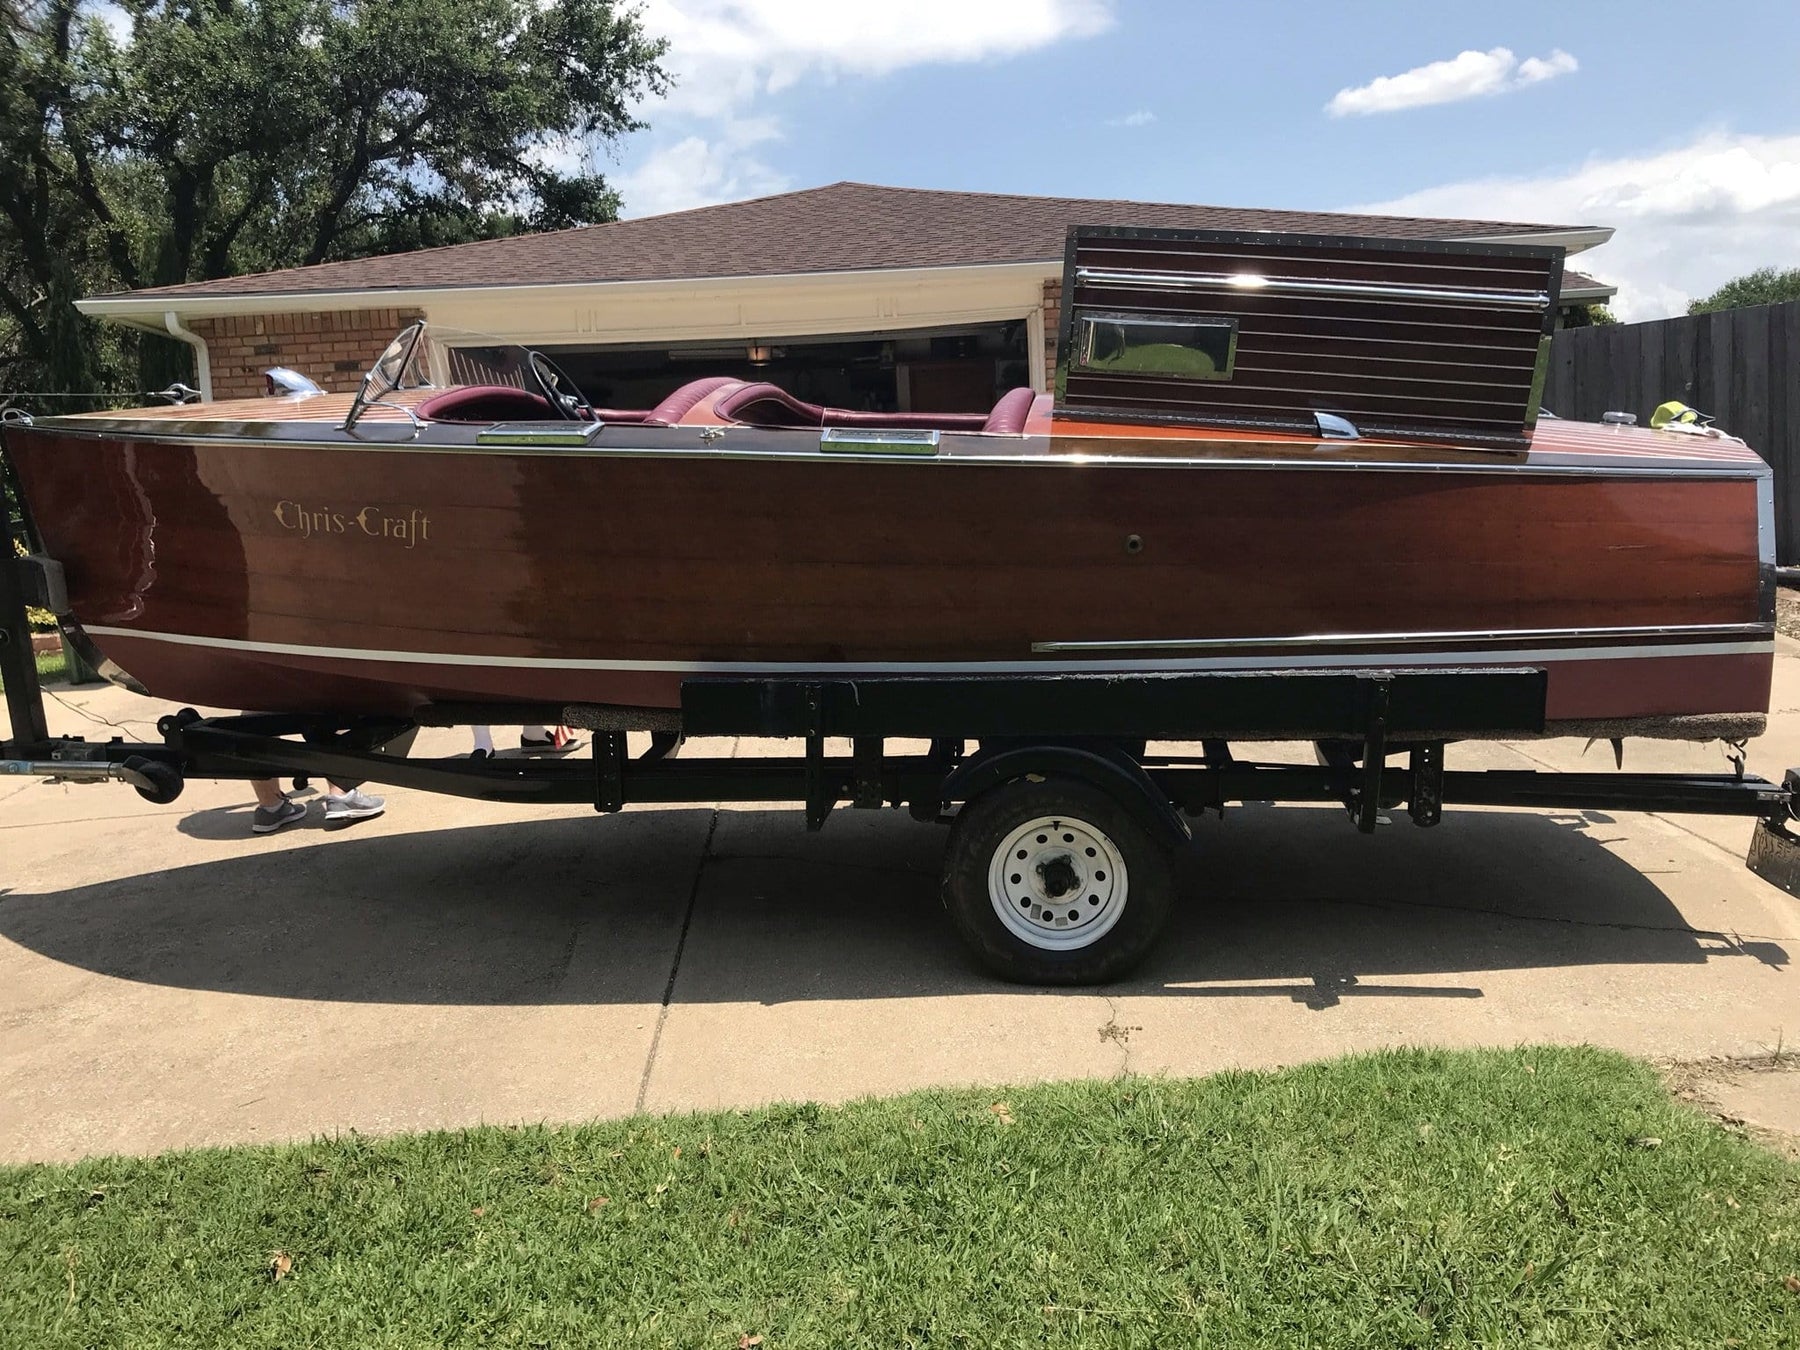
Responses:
[420,357]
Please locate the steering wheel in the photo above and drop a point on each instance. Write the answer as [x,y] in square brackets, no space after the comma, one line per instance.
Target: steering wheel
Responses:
[562,393]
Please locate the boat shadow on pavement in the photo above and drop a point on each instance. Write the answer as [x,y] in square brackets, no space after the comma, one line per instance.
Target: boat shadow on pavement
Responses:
[744,906]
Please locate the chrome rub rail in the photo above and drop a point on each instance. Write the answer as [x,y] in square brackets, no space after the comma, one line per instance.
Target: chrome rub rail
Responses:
[1695,630]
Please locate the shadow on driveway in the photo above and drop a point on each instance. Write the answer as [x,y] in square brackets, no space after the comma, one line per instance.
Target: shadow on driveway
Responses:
[1277,902]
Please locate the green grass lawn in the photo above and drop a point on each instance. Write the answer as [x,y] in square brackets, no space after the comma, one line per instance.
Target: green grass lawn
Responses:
[1552,1197]
[52,668]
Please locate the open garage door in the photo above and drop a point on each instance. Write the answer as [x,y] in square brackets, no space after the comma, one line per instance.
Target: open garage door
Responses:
[961,369]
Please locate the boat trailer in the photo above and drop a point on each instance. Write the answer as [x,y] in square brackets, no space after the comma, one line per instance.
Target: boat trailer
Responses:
[1057,795]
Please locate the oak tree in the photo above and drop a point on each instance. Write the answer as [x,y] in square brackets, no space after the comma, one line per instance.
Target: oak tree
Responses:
[154,142]
[1764,286]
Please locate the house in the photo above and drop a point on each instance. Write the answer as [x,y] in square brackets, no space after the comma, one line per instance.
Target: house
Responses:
[854,295]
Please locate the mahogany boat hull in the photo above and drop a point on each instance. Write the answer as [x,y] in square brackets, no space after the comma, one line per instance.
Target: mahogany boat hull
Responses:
[320,573]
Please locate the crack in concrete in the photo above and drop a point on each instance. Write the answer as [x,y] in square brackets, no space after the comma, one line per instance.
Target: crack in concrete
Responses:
[687,922]
[94,820]
[1735,938]
[1688,830]
[1692,833]
[577,925]
[1118,1035]
[844,864]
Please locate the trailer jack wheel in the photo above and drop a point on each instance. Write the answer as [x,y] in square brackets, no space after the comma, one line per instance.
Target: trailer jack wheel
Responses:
[153,780]
[1053,881]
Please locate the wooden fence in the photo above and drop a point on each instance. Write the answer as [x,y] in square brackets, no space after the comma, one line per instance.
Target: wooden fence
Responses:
[1740,365]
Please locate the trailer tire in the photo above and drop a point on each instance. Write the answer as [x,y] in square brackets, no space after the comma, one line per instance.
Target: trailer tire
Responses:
[1051,880]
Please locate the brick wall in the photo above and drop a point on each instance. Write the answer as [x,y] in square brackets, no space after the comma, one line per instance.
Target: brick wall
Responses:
[332,349]
[1052,325]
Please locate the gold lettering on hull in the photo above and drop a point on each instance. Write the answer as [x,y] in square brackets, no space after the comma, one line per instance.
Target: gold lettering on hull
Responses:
[408,529]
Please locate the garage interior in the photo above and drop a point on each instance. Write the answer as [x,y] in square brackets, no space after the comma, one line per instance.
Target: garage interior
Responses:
[962,369]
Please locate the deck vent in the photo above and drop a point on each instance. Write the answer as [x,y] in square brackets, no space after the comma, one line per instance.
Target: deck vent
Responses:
[1414,339]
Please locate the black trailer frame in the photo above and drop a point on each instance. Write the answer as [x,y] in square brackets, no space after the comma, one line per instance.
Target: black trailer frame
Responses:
[1091,729]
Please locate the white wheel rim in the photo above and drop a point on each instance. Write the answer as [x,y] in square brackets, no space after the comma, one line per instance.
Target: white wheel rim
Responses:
[1057,883]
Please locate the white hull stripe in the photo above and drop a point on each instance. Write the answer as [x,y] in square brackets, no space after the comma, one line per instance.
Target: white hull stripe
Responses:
[1379,660]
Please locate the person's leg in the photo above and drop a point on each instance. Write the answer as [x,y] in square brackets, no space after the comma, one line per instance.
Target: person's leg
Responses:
[542,740]
[484,740]
[273,811]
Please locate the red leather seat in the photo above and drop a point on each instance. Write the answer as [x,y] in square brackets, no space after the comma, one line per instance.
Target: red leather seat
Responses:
[1009,414]
[768,405]
[486,403]
[505,403]
[755,405]
[848,417]
[685,399]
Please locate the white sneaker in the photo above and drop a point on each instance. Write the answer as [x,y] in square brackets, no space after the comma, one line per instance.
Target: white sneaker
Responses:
[353,805]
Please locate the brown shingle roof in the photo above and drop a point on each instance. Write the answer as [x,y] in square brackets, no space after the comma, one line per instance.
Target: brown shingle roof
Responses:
[1580,283]
[840,227]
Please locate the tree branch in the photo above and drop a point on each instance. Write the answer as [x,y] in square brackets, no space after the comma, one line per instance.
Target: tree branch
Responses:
[118,246]
[217,262]
[21,314]
[329,224]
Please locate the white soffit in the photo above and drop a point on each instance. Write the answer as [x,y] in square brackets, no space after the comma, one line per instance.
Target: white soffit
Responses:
[1571,241]
[673,310]
[703,310]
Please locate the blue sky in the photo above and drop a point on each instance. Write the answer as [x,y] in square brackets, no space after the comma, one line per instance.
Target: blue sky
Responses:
[1677,123]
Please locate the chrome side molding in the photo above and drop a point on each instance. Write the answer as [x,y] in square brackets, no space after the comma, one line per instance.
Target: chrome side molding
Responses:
[878,441]
[1239,283]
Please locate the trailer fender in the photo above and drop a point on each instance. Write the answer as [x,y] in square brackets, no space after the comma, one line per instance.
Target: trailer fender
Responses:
[1106,767]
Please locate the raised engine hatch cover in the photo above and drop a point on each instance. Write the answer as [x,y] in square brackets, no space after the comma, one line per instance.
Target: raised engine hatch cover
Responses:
[1418,339]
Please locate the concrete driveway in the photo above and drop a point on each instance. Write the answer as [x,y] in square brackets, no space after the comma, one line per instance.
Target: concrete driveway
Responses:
[168,980]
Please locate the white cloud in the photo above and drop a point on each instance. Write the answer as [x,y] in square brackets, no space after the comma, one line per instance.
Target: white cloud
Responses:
[1535,68]
[695,171]
[116,19]
[726,52]
[1469,74]
[1143,117]
[729,55]
[1688,218]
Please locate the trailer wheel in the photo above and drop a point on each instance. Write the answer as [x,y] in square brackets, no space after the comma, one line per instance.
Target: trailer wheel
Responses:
[1053,881]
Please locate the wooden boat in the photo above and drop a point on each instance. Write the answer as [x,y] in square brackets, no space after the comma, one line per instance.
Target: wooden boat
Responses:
[1264,453]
